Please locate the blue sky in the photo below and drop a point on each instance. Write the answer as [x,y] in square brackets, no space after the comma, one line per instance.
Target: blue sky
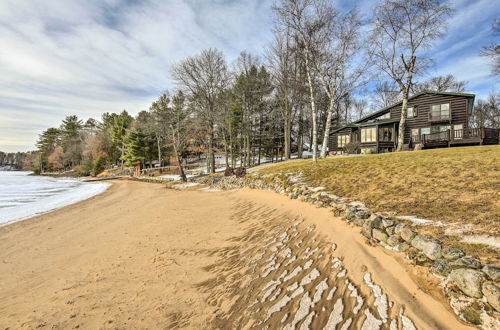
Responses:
[63,57]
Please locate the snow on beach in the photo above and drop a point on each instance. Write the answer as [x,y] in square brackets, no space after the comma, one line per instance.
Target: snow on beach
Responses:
[23,196]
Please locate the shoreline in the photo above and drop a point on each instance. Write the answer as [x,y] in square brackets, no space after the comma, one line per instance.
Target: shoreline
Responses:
[119,258]
[58,201]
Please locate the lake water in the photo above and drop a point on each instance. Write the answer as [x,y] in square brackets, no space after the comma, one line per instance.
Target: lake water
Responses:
[23,196]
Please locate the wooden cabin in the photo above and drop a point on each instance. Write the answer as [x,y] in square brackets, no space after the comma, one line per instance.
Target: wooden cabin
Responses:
[434,119]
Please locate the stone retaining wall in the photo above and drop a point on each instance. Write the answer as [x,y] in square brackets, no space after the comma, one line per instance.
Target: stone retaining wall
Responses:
[473,288]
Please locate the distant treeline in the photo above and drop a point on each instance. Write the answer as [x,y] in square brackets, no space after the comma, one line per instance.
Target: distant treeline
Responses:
[18,160]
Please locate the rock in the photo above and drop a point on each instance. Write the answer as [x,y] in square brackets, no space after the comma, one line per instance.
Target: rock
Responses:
[441,267]
[492,294]
[359,222]
[393,240]
[362,214]
[407,234]
[399,227]
[379,235]
[431,248]
[465,262]
[422,260]
[387,222]
[452,253]
[377,223]
[390,230]
[366,232]
[402,247]
[468,280]
[493,272]
[373,216]
[350,214]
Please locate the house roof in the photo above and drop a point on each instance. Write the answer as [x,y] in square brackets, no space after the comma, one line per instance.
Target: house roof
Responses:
[382,111]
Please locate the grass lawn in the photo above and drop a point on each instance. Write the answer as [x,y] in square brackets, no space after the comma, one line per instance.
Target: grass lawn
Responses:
[449,185]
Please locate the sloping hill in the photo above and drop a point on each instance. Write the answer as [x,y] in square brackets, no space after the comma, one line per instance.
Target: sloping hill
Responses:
[459,187]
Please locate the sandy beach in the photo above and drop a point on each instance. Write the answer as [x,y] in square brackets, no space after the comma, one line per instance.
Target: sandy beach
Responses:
[141,256]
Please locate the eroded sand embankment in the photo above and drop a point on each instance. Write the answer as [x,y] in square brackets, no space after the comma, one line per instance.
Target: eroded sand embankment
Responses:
[140,256]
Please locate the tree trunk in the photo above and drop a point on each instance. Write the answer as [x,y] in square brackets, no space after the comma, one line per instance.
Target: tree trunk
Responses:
[300,137]
[288,133]
[404,106]
[159,150]
[211,156]
[328,124]
[314,142]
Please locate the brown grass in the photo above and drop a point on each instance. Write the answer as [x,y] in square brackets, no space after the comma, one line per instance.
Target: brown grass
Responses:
[449,185]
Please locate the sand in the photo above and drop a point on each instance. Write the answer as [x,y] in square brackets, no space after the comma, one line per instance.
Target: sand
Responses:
[142,256]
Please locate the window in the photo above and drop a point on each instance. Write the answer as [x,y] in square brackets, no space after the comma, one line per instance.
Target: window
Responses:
[440,111]
[441,128]
[343,140]
[415,134]
[425,130]
[384,116]
[369,134]
[386,134]
[411,112]
[366,151]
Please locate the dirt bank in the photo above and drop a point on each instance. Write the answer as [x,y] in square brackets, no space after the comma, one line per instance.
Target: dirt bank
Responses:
[141,256]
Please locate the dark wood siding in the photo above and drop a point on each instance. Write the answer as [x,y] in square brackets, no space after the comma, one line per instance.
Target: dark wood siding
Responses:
[423,103]
[332,142]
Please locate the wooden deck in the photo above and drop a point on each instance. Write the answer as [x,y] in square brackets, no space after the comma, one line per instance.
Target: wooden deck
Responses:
[460,137]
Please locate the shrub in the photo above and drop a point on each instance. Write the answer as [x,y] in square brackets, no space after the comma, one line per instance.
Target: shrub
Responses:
[228,171]
[240,172]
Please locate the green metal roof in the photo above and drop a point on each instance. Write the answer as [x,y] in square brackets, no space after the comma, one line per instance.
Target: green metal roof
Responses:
[381,111]
[378,122]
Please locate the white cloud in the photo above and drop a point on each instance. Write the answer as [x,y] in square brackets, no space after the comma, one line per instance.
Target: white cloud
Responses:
[87,57]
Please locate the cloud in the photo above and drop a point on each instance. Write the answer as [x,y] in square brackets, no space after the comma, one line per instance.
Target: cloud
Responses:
[86,57]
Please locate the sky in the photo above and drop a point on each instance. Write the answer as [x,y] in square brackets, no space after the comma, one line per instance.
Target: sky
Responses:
[87,57]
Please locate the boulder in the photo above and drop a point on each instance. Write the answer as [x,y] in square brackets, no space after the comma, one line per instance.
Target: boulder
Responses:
[387,222]
[431,248]
[441,267]
[390,230]
[452,253]
[393,240]
[402,247]
[465,262]
[468,280]
[350,214]
[361,214]
[359,222]
[399,227]
[492,271]
[379,235]
[492,294]
[407,234]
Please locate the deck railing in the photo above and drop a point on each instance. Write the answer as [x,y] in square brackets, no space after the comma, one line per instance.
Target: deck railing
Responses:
[439,136]
[459,134]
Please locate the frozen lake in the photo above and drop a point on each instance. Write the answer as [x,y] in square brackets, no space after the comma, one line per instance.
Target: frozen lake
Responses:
[23,196]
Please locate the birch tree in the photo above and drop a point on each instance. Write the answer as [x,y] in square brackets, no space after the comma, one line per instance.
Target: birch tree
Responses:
[402,30]
[307,20]
[204,77]
[338,67]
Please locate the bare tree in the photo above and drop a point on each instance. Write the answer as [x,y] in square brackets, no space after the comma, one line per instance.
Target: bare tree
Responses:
[204,77]
[307,21]
[402,29]
[446,83]
[386,94]
[283,68]
[493,51]
[487,113]
[337,65]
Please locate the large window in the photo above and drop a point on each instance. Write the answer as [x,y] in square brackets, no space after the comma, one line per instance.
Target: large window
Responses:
[441,128]
[386,134]
[440,111]
[384,116]
[411,112]
[369,134]
[343,140]
[425,130]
